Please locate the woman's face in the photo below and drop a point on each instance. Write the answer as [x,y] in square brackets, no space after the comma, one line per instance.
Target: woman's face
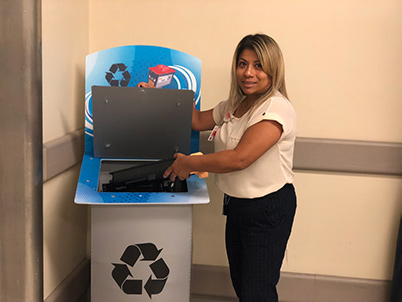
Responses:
[252,80]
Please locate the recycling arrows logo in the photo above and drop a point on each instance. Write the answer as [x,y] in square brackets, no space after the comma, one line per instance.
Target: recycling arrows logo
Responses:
[153,286]
[116,71]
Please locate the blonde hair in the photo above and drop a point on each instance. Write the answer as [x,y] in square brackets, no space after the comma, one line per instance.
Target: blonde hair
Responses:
[271,59]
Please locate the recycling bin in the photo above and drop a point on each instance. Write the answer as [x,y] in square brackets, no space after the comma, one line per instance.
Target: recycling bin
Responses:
[141,223]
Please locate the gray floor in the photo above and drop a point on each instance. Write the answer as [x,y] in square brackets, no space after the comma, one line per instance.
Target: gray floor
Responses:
[194,298]
[211,299]
[85,298]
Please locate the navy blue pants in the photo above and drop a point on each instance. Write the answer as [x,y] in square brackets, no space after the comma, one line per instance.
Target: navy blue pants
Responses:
[257,232]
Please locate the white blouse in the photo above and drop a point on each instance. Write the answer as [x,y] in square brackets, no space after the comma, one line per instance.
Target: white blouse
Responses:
[273,169]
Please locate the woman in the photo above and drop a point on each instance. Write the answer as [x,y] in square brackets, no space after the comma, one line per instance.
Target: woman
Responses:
[254,142]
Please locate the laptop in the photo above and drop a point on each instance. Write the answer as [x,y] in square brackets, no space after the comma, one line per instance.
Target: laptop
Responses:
[136,133]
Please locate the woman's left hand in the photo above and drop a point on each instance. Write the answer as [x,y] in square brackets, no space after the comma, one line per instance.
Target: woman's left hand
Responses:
[179,168]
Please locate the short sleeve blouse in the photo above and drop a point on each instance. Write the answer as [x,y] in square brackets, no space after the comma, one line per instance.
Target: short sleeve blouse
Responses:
[273,169]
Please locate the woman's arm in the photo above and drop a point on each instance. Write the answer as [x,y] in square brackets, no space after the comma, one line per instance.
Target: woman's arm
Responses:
[257,140]
[202,120]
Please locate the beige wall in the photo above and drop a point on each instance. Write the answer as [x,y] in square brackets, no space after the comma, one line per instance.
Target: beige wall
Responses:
[343,72]
[65,45]
[342,57]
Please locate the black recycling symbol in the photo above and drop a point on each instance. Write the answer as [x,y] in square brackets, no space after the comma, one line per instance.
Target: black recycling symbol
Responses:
[153,286]
[121,69]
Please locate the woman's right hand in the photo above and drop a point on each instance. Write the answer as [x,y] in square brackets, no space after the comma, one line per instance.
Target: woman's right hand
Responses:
[145,85]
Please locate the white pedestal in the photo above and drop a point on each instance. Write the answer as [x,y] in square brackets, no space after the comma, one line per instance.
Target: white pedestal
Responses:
[141,253]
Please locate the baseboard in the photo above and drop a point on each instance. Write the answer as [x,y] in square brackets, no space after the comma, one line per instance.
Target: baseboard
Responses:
[73,286]
[215,281]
